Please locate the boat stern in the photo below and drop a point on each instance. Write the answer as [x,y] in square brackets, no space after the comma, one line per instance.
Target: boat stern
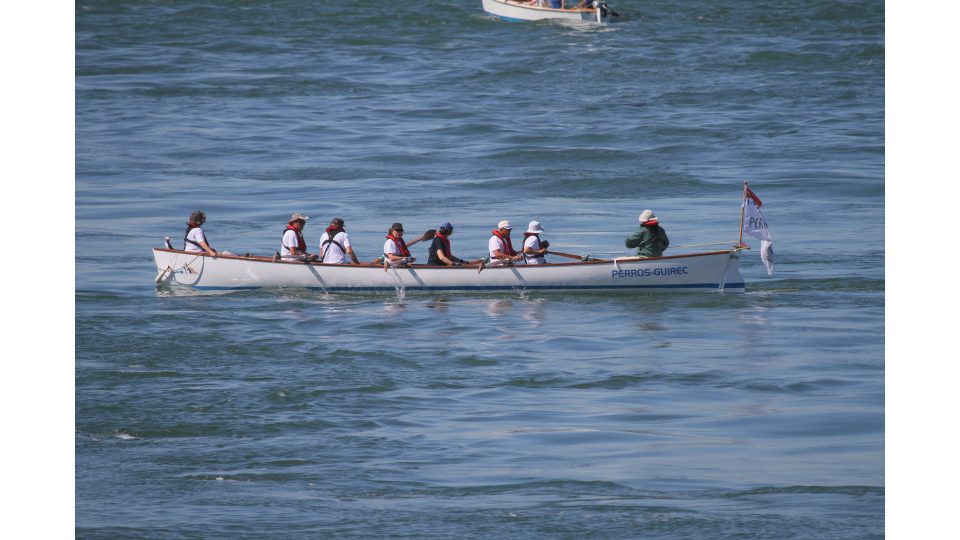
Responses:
[732,280]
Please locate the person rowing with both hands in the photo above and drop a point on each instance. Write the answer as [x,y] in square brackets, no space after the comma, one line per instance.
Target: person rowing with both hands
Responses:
[501,248]
[440,254]
[335,244]
[534,248]
[293,247]
[396,251]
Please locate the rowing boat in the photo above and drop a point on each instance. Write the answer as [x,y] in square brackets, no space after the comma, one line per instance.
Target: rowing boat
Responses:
[698,272]
[513,10]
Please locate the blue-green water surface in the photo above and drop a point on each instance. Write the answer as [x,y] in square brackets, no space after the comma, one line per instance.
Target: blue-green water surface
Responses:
[296,414]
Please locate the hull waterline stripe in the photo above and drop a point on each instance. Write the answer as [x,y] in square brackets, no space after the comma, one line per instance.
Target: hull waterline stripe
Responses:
[733,286]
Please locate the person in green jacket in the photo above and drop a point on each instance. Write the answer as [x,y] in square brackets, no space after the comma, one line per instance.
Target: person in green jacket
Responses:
[651,240]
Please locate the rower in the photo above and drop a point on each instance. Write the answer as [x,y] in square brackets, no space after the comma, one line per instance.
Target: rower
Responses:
[335,244]
[293,246]
[194,241]
[500,248]
[651,240]
[534,249]
[440,253]
[395,249]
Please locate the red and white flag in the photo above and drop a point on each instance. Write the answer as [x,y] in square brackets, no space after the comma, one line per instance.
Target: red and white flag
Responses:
[755,225]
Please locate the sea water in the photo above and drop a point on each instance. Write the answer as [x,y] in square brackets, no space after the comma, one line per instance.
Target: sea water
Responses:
[298,414]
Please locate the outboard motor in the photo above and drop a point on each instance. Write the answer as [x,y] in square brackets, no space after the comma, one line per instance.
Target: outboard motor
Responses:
[605,10]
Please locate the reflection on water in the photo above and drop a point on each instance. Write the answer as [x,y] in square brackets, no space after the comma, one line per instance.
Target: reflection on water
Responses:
[440,303]
[499,307]
[651,326]
[755,316]
[534,312]
[175,290]
[394,308]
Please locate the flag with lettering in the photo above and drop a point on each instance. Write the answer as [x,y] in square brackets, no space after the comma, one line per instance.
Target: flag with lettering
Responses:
[755,225]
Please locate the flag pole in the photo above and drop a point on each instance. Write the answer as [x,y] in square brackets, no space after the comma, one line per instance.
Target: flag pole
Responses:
[743,204]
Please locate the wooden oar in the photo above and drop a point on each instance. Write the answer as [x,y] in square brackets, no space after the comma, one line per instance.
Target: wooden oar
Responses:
[427,235]
[582,258]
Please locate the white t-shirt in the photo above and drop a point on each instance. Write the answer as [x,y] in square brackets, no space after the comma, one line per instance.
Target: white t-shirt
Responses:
[289,240]
[197,236]
[331,253]
[390,247]
[495,244]
[533,242]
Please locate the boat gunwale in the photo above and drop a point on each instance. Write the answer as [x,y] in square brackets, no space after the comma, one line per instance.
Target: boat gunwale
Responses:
[616,260]
[514,3]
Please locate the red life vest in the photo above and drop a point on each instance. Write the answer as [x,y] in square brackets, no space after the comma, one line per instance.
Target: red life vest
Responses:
[505,241]
[401,245]
[301,243]
[446,246]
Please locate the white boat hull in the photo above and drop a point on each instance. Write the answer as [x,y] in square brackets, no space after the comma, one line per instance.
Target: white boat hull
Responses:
[516,11]
[713,271]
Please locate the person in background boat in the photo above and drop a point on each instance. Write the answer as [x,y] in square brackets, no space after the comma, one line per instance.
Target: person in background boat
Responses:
[395,249]
[555,4]
[651,240]
[194,240]
[293,246]
[501,248]
[440,254]
[335,245]
[534,249]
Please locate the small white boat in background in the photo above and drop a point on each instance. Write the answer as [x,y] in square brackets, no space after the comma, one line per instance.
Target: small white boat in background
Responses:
[597,11]
[698,272]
